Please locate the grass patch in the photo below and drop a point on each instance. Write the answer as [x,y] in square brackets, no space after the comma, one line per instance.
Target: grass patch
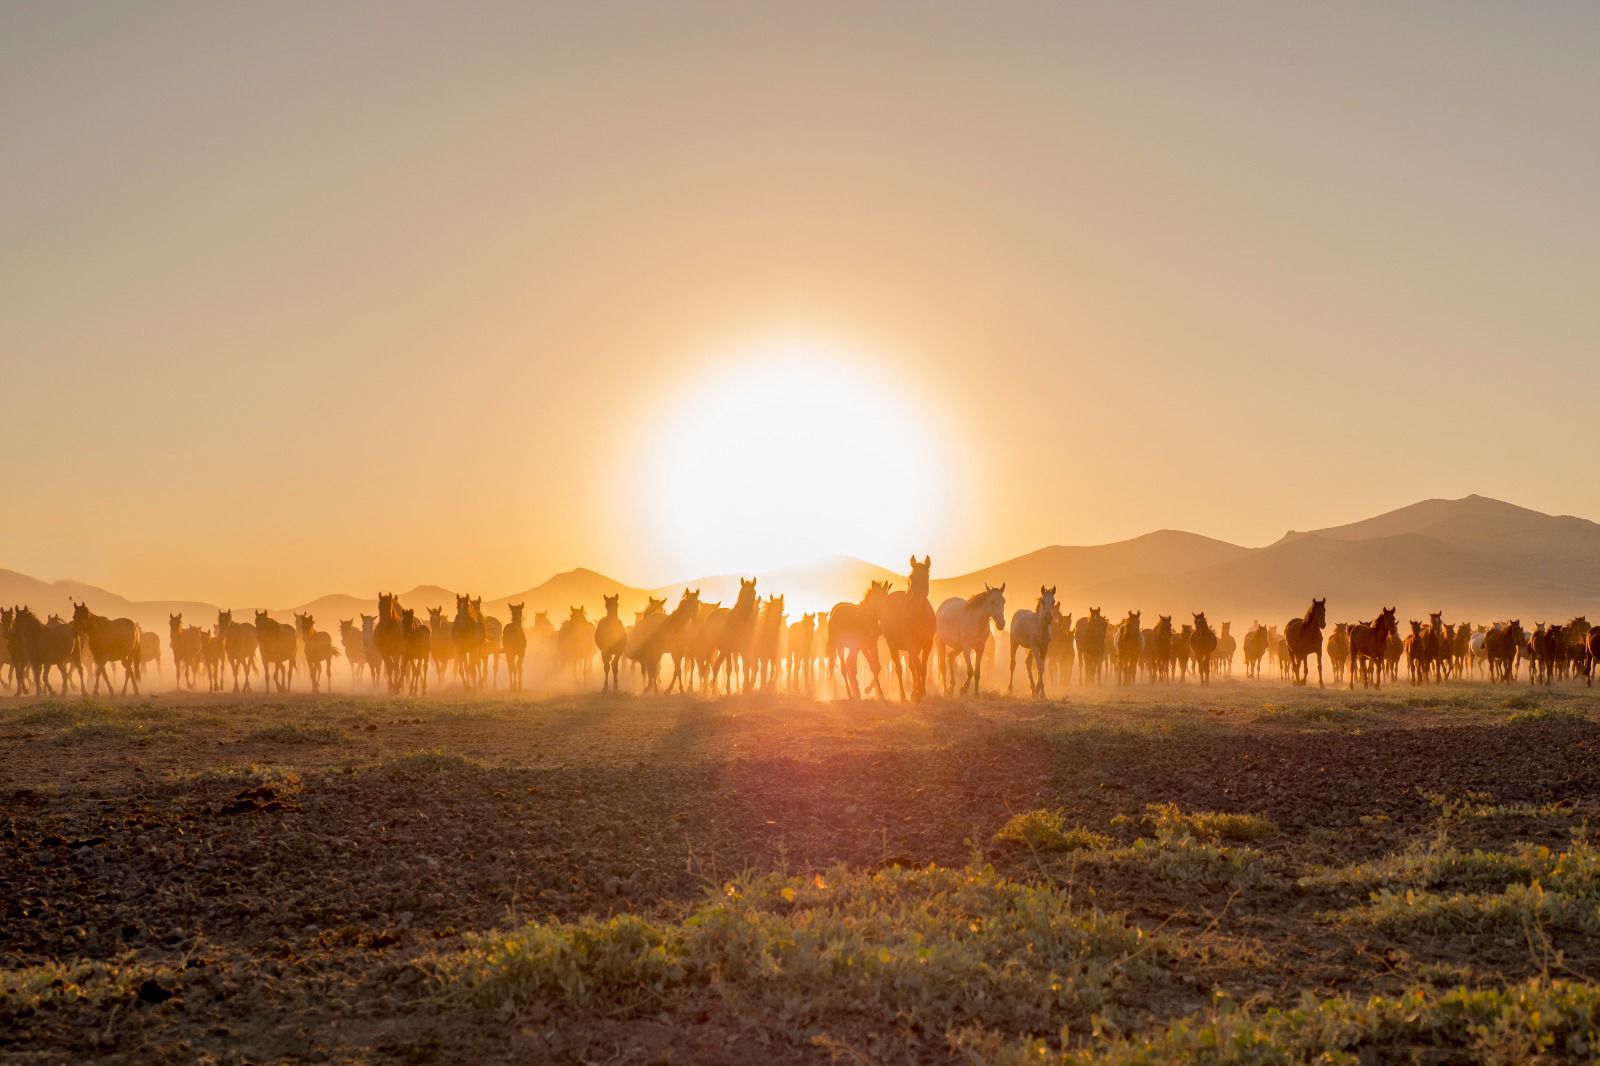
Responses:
[89,981]
[1533,715]
[1540,1020]
[1043,830]
[924,952]
[1213,826]
[1447,892]
[1481,806]
[281,778]
[1439,867]
[290,733]
[437,761]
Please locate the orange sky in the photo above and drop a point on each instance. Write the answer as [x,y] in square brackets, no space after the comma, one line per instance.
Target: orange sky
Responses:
[301,298]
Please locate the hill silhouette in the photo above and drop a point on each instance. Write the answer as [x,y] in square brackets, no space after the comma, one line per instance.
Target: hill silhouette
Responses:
[1474,558]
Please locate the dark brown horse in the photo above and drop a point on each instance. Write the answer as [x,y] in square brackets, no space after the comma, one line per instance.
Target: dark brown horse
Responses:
[1130,644]
[1089,636]
[1368,642]
[111,640]
[733,631]
[514,642]
[280,649]
[853,630]
[611,637]
[908,629]
[1501,646]
[1302,638]
[389,637]
[1203,645]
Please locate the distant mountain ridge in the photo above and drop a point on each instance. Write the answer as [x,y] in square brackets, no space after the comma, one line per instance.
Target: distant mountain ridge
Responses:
[1474,558]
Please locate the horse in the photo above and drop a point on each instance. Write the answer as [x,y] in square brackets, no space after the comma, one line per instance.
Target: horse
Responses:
[962,627]
[441,651]
[469,638]
[1548,648]
[1030,630]
[1062,659]
[733,629]
[493,650]
[514,642]
[369,644]
[575,644]
[1416,652]
[1591,655]
[318,649]
[909,627]
[389,636]
[655,631]
[355,647]
[1368,644]
[416,640]
[1158,649]
[1501,645]
[771,628]
[37,647]
[1256,643]
[149,650]
[186,644]
[1130,643]
[280,647]
[1302,637]
[799,640]
[1203,644]
[1090,637]
[111,640]
[610,637]
[853,630]
[1181,653]
[214,654]
[1226,646]
[1339,649]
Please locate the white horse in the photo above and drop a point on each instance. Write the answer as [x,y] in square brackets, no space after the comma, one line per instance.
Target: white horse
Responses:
[1478,649]
[962,625]
[1030,630]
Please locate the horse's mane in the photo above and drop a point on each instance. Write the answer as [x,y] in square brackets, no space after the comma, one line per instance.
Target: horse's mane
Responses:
[977,598]
[1310,615]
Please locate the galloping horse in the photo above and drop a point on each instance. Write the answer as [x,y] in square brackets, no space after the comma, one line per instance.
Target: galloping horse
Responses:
[441,651]
[1303,637]
[909,627]
[186,643]
[575,645]
[853,630]
[1130,645]
[733,634]
[1204,645]
[1226,646]
[389,635]
[1160,649]
[610,636]
[962,627]
[799,639]
[1339,649]
[1369,642]
[771,628]
[355,648]
[514,642]
[1030,630]
[470,639]
[1500,646]
[111,640]
[318,649]
[1255,649]
[655,632]
[1061,648]
[1090,637]
[416,641]
[280,646]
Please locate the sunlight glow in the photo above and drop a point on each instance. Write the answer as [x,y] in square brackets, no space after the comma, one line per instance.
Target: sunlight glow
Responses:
[788,451]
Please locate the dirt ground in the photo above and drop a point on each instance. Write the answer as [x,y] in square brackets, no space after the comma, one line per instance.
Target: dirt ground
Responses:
[265,871]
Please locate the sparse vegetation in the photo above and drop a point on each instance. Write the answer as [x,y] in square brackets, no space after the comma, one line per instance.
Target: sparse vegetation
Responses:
[931,950]
[1043,830]
[298,733]
[1214,826]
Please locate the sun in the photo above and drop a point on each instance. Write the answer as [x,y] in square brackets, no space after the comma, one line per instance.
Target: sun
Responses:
[789,450]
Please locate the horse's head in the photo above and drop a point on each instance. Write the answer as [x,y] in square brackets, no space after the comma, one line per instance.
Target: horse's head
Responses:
[1094,614]
[224,620]
[463,605]
[655,606]
[994,604]
[747,594]
[80,614]
[1436,620]
[1319,612]
[1200,623]
[303,623]
[611,604]
[516,612]
[1164,624]
[576,614]
[919,575]
[262,618]
[1047,604]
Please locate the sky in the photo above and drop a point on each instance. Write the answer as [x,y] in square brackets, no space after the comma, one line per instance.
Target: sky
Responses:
[299,298]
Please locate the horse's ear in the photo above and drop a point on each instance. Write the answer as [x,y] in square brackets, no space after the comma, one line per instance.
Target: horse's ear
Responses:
[1002,586]
[927,560]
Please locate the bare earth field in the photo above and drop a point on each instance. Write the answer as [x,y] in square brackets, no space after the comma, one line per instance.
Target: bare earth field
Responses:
[351,878]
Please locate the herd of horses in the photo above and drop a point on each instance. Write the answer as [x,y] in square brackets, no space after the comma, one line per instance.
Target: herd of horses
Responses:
[753,644]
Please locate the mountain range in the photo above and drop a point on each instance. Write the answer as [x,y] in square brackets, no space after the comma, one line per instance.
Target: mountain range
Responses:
[1474,558]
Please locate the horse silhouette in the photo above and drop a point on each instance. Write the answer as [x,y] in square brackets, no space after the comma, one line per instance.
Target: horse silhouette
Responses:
[1302,638]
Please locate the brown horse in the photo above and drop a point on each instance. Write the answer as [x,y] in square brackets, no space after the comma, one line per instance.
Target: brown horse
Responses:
[1368,642]
[1203,645]
[470,639]
[187,644]
[318,649]
[389,638]
[280,648]
[1339,649]
[1591,655]
[240,645]
[214,654]
[575,644]
[798,647]
[656,632]
[611,638]
[771,628]
[1255,649]
[417,641]
[1501,645]
[733,633]
[355,648]
[1090,637]
[440,651]
[1302,638]
[909,627]
[111,640]
[1226,647]
[514,642]
[853,630]
[1130,644]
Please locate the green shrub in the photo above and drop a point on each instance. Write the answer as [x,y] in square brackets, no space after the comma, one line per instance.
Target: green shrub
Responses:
[1214,826]
[1043,830]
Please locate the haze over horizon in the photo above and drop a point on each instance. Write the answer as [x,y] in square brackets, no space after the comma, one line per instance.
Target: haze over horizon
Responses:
[302,299]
